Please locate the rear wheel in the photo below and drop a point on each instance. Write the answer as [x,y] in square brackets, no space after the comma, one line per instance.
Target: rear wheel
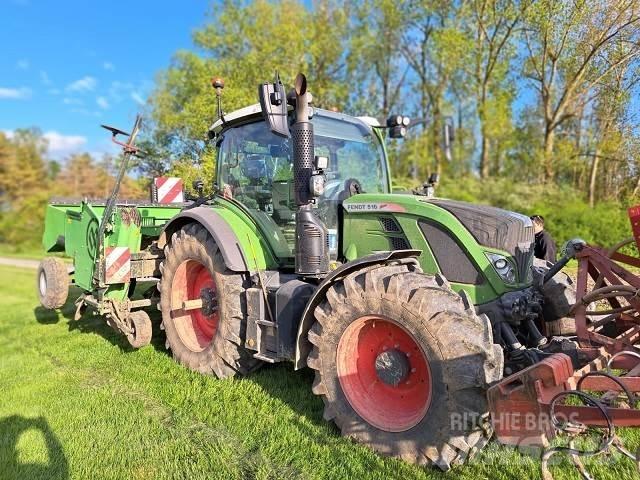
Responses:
[203,306]
[402,364]
[52,282]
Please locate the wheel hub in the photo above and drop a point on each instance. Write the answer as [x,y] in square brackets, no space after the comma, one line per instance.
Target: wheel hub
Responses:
[195,326]
[209,301]
[384,373]
[392,367]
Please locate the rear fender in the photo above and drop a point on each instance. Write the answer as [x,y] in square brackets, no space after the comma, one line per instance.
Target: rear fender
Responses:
[303,346]
[242,247]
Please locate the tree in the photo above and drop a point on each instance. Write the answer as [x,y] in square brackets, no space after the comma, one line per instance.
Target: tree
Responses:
[24,185]
[246,44]
[437,49]
[494,24]
[84,177]
[571,47]
[375,61]
[609,122]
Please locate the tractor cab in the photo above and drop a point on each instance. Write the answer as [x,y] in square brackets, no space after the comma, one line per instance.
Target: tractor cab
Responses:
[255,168]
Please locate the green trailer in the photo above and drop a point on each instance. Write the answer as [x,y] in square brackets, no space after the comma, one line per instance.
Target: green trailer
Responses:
[407,307]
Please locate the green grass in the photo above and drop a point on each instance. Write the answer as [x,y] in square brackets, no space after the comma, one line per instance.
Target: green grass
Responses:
[30,252]
[77,402]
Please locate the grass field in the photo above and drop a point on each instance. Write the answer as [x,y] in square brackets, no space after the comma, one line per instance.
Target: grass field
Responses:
[33,252]
[77,402]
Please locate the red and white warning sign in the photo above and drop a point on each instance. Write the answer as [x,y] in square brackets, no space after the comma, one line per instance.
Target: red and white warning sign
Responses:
[117,265]
[168,190]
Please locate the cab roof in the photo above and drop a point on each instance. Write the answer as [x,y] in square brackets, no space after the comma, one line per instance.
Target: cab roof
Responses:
[255,111]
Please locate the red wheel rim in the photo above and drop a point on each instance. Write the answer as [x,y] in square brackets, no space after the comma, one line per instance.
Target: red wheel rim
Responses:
[197,327]
[390,407]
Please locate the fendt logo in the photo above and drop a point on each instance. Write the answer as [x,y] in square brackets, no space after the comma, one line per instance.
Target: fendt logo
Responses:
[373,207]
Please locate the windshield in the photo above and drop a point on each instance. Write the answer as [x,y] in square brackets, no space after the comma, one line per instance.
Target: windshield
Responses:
[255,167]
[251,151]
[354,152]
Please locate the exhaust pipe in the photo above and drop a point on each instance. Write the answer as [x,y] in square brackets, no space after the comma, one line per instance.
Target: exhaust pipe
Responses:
[312,238]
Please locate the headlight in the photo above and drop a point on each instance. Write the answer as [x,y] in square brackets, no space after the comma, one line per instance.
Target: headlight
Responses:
[503,267]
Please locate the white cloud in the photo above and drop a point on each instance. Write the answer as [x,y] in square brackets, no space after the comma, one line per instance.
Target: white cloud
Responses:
[23,64]
[102,103]
[137,98]
[21,93]
[118,89]
[108,66]
[61,146]
[44,78]
[86,112]
[55,91]
[84,84]
[72,101]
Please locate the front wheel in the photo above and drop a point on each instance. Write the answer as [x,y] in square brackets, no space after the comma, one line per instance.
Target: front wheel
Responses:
[559,296]
[402,364]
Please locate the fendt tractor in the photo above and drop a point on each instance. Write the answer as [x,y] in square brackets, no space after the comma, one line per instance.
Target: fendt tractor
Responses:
[425,319]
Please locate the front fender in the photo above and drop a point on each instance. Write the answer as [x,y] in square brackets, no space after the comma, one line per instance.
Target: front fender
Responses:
[303,347]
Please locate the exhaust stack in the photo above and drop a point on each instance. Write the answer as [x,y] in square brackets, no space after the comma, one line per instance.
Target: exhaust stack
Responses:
[312,239]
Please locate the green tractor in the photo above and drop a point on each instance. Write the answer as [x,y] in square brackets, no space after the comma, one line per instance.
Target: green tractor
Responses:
[408,307]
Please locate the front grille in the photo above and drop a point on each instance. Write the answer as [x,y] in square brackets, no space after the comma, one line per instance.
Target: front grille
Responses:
[452,259]
[524,260]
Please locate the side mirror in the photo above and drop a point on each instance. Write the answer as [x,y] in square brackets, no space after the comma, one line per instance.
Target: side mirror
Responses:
[274,106]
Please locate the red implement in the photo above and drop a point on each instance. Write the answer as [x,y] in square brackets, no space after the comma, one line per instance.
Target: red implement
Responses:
[530,407]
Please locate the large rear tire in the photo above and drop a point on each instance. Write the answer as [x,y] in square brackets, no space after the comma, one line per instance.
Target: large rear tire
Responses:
[210,339]
[402,365]
[52,282]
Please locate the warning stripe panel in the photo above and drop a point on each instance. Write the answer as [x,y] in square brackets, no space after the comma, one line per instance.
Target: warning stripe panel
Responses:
[117,265]
[169,189]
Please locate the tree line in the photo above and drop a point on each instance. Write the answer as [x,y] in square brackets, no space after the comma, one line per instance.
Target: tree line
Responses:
[541,91]
[544,96]
[29,179]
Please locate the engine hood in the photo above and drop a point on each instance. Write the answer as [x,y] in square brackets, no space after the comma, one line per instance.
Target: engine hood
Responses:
[492,227]
[477,229]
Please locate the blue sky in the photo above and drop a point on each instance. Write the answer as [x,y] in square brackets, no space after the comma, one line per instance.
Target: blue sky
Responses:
[68,66]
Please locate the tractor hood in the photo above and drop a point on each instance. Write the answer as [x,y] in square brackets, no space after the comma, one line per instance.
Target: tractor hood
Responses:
[467,242]
[491,227]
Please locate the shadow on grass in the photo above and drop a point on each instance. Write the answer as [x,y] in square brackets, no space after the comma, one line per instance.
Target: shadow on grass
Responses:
[90,323]
[11,428]
[293,388]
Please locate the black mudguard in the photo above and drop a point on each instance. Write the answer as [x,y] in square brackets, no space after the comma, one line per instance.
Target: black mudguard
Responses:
[219,229]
